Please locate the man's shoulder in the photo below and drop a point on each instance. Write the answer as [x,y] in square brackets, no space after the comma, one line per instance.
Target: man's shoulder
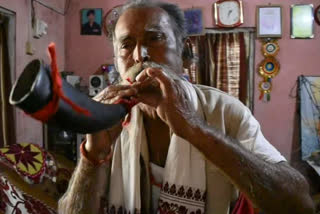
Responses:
[217,103]
[214,95]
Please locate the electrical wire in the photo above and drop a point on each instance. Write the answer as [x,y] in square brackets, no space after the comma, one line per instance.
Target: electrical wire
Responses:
[66,8]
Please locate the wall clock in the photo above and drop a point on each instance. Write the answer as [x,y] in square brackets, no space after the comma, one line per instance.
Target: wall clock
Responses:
[228,13]
[317,15]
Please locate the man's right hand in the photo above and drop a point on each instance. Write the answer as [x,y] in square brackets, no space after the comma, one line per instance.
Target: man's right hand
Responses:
[98,144]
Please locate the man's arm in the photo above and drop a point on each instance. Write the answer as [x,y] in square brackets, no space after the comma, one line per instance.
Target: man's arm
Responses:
[86,187]
[274,188]
[89,182]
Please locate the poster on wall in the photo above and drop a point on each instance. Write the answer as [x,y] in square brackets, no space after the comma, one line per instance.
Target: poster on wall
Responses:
[302,23]
[91,20]
[194,21]
[269,21]
[309,94]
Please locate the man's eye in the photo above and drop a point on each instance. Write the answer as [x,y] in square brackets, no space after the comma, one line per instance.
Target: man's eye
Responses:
[157,37]
[125,46]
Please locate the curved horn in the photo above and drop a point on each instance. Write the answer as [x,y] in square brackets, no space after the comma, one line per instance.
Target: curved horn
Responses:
[33,91]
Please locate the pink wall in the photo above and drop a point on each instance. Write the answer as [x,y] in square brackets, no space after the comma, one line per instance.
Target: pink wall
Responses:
[278,118]
[27,129]
[84,54]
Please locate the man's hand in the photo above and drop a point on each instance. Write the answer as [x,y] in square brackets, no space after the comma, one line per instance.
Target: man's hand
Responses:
[166,94]
[98,144]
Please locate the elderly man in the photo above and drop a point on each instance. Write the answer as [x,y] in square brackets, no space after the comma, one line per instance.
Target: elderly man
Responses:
[184,148]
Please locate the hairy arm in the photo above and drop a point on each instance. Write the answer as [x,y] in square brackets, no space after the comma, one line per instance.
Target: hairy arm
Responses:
[88,182]
[274,188]
[86,187]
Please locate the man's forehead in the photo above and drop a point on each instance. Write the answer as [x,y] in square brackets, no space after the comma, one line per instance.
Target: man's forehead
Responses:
[153,19]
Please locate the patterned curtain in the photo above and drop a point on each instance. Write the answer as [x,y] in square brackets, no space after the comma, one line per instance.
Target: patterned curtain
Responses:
[7,130]
[223,61]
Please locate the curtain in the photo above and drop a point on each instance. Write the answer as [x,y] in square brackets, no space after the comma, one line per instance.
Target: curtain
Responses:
[7,129]
[223,61]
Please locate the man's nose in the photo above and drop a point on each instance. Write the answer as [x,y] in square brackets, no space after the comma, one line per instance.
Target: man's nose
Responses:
[141,54]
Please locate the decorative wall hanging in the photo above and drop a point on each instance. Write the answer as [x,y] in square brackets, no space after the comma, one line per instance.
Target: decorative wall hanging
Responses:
[194,21]
[269,29]
[109,20]
[302,17]
[268,68]
[269,21]
[228,13]
[270,48]
[91,20]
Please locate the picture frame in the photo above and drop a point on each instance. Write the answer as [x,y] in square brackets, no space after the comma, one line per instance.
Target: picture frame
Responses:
[317,15]
[269,21]
[194,21]
[91,21]
[302,21]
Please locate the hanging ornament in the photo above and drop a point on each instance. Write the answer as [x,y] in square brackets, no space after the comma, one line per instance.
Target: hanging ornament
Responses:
[265,87]
[270,48]
[268,68]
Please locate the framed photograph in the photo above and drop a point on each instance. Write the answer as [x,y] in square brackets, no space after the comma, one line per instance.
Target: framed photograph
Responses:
[317,15]
[269,21]
[91,21]
[302,24]
[194,21]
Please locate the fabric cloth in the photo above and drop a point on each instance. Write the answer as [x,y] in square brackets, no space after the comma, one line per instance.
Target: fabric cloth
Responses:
[224,62]
[31,179]
[221,111]
[243,206]
[184,183]
[13,200]
[30,161]
[233,119]
[156,173]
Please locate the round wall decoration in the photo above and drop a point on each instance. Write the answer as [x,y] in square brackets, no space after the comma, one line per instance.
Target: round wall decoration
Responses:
[110,19]
[270,48]
[269,67]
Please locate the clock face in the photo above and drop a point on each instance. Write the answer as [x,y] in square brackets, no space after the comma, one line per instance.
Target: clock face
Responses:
[229,12]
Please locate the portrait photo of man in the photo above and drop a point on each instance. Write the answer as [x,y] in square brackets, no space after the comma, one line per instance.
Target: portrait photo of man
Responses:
[91,21]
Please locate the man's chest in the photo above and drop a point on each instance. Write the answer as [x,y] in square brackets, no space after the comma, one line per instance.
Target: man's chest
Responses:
[158,139]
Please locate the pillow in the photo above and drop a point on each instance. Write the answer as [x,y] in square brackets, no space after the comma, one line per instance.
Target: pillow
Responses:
[13,200]
[30,161]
